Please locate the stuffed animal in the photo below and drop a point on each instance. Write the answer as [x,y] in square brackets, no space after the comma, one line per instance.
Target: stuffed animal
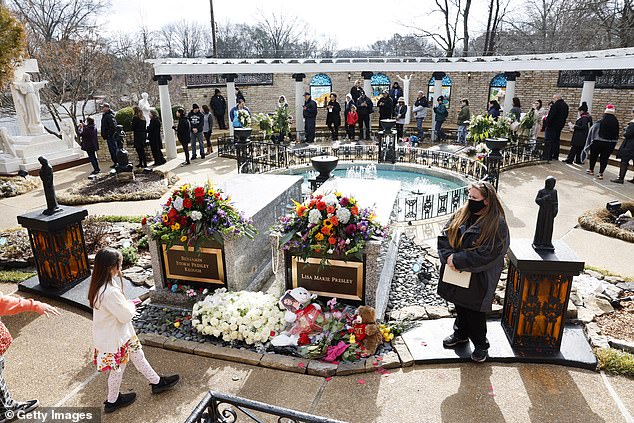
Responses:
[371,334]
[300,315]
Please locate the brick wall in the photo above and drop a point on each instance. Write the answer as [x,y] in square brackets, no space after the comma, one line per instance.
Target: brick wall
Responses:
[474,86]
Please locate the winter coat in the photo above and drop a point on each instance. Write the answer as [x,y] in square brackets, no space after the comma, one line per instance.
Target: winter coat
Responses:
[420,108]
[395,94]
[154,132]
[139,131]
[89,141]
[609,129]
[441,113]
[626,151]
[580,130]
[386,108]
[557,116]
[516,112]
[182,130]
[310,111]
[399,113]
[494,113]
[108,125]
[334,117]
[352,118]
[464,115]
[218,104]
[364,106]
[234,110]
[484,262]
[355,92]
[347,108]
[196,120]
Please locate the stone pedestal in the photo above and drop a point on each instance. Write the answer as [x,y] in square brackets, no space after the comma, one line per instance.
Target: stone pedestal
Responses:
[263,198]
[537,294]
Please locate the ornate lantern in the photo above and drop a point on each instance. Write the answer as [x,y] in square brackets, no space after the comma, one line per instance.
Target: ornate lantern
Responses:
[537,294]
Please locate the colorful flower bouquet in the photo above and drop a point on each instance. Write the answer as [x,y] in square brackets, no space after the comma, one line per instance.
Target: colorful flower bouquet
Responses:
[251,317]
[328,226]
[197,214]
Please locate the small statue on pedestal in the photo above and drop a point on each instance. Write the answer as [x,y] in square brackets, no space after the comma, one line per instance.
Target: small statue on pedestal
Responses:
[46,175]
[123,161]
[548,208]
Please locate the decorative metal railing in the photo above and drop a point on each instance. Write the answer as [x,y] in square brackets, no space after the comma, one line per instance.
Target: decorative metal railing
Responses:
[427,206]
[217,407]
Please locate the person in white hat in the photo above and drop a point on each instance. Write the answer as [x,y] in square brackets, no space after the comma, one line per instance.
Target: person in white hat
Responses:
[399,113]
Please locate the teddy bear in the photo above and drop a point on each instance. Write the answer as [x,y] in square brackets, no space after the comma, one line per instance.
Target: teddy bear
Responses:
[300,316]
[366,330]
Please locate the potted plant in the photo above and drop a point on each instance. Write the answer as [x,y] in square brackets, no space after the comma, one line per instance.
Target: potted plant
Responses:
[265,123]
[281,123]
[480,128]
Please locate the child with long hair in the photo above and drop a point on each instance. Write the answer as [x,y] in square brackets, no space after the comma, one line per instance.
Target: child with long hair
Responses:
[475,240]
[114,337]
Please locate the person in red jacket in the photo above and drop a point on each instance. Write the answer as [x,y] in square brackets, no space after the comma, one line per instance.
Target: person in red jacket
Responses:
[10,305]
[351,120]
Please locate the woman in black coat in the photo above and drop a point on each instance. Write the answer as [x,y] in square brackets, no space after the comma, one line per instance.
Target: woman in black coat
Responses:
[475,240]
[333,117]
[579,135]
[154,137]
[139,131]
[90,143]
[626,152]
[182,132]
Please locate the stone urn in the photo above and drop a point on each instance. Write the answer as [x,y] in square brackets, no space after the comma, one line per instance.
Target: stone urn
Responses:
[242,133]
[387,124]
[324,165]
[495,145]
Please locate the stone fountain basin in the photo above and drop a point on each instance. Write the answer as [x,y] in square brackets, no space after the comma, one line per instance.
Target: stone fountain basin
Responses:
[324,165]
[387,124]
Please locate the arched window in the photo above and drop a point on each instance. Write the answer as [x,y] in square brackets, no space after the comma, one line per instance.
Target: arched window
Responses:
[379,82]
[446,89]
[497,88]
[320,89]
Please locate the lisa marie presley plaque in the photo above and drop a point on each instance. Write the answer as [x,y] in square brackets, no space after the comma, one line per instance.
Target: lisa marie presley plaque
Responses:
[203,266]
[338,278]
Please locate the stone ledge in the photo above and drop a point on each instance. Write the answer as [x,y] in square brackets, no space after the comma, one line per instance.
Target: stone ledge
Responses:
[320,368]
[286,363]
[351,368]
[152,339]
[229,354]
[180,345]
[403,352]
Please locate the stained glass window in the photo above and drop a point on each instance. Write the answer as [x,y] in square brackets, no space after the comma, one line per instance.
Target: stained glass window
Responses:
[446,89]
[320,89]
[497,88]
[379,82]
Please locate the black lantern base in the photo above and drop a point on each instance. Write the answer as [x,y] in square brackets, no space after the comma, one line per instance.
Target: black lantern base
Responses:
[77,295]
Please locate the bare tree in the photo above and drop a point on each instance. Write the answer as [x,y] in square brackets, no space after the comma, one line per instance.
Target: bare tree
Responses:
[184,39]
[497,11]
[465,27]
[279,35]
[445,36]
[57,20]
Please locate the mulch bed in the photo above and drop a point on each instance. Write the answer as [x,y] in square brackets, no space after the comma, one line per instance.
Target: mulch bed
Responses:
[603,222]
[106,188]
[620,324]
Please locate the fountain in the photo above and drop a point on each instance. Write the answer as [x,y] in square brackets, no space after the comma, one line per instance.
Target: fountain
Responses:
[387,144]
[324,165]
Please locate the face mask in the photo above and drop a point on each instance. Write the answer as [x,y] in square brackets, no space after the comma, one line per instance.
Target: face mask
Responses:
[475,206]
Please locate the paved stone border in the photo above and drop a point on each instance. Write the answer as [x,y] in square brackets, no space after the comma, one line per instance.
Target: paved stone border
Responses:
[400,357]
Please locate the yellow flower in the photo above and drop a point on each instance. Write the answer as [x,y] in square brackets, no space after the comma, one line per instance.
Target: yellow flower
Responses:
[210,192]
[165,218]
[328,223]
[184,238]
[172,228]
[177,226]
[177,324]
[319,236]
[352,339]
[185,187]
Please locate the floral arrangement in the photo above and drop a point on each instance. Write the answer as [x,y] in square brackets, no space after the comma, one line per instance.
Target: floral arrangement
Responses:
[328,226]
[528,121]
[484,126]
[251,317]
[282,121]
[191,292]
[265,122]
[502,128]
[195,214]
[244,118]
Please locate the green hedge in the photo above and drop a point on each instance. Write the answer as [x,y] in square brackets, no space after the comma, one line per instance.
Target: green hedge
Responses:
[124,117]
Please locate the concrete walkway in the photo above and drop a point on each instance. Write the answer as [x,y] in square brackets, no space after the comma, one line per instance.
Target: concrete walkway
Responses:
[50,360]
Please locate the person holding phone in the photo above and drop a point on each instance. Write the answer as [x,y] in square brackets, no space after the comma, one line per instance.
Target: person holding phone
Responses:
[475,240]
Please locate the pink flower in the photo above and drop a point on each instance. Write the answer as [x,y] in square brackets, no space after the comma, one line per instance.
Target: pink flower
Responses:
[335,351]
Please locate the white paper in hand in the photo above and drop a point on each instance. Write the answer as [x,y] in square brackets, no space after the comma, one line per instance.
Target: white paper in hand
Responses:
[454,277]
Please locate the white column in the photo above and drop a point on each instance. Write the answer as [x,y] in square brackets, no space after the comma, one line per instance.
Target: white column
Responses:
[231,97]
[587,92]
[166,115]
[508,96]
[405,81]
[438,76]
[299,103]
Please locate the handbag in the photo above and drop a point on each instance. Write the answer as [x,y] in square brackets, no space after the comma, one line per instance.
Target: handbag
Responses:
[5,339]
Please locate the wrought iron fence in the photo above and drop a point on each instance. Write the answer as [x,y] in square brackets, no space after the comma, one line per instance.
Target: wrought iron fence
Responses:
[217,407]
[427,206]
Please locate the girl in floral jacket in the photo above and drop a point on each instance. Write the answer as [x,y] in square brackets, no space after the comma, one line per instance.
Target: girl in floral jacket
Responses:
[114,337]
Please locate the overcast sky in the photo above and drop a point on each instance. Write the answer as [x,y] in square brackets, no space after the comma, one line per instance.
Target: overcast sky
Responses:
[351,23]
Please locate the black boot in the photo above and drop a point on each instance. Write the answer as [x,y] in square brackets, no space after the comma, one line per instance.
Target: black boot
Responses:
[165,383]
[123,400]
[18,407]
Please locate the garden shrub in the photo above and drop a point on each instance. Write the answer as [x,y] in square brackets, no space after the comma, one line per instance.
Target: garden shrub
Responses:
[124,118]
